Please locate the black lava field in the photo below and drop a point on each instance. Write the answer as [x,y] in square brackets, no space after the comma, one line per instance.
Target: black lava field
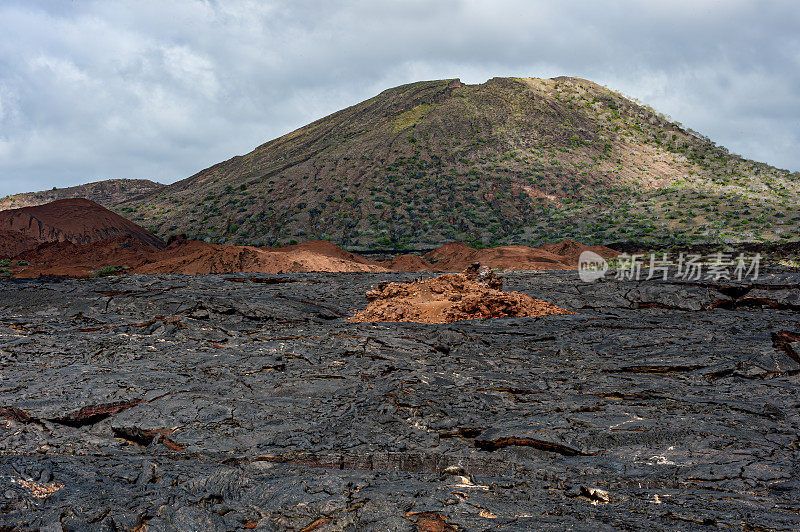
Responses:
[225,402]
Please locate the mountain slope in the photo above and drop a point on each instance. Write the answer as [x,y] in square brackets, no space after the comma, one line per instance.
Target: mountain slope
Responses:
[105,193]
[79,221]
[507,161]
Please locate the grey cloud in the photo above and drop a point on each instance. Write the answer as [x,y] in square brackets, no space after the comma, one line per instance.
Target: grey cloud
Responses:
[92,90]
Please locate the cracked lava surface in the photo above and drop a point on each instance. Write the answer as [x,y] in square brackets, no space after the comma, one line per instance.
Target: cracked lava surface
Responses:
[249,402]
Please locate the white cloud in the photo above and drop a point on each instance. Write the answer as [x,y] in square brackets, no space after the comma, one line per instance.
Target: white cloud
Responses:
[191,71]
[95,89]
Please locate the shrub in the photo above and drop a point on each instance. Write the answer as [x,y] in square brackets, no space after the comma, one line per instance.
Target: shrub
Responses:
[105,271]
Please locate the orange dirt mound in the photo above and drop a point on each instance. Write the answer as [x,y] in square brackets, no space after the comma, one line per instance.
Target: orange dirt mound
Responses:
[456,256]
[562,256]
[323,247]
[66,259]
[79,221]
[194,257]
[571,250]
[448,298]
[409,263]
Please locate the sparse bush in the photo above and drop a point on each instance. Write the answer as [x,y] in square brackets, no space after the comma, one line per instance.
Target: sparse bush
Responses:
[106,271]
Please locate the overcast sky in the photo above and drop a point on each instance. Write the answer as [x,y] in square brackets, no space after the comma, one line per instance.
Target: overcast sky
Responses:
[162,89]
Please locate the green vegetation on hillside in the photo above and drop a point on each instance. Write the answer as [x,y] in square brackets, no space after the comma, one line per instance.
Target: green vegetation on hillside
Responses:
[508,161]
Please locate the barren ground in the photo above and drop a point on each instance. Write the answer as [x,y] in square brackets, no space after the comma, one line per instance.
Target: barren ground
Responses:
[223,402]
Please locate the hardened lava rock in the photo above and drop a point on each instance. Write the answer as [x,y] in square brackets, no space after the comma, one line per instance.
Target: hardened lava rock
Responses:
[249,402]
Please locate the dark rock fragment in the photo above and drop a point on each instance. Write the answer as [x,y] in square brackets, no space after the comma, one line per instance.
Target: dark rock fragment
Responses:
[788,342]
[484,275]
[14,414]
[486,442]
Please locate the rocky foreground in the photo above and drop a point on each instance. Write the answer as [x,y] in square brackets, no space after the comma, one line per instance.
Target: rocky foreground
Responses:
[250,402]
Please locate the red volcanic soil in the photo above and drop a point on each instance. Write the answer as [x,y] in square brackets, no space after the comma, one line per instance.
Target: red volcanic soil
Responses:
[192,256]
[65,259]
[456,256]
[196,257]
[562,256]
[78,238]
[79,221]
[409,263]
[448,298]
[571,250]
[13,243]
[323,247]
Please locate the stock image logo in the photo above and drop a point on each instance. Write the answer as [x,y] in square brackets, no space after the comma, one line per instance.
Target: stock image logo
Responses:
[683,266]
[591,266]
